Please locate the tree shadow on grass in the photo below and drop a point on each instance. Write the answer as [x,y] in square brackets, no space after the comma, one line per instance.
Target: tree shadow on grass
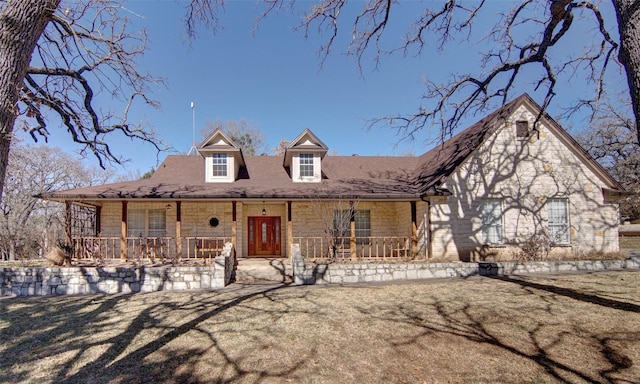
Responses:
[251,333]
[142,350]
[522,333]
[41,329]
[571,293]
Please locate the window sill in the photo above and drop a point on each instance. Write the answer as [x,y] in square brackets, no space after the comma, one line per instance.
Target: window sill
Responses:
[219,180]
[494,245]
[307,180]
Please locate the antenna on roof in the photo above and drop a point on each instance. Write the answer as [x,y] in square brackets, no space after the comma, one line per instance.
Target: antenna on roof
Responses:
[193,150]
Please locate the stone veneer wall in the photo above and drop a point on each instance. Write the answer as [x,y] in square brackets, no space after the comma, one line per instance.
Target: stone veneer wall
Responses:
[523,175]
[79,280]
[372,272]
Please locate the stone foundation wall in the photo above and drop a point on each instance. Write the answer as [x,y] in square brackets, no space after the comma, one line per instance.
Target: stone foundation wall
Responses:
[110,280]
[517,268]
[371,272]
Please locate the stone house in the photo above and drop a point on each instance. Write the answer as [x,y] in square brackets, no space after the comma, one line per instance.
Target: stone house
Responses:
[479,194]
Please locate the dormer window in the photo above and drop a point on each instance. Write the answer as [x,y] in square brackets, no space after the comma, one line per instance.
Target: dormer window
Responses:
[219,165]
[306,165]
[303,157]
[223,158]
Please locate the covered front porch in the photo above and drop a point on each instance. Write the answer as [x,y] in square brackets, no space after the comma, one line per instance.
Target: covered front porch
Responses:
[175,231]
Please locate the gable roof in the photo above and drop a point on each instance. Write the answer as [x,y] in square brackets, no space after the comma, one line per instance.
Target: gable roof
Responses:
[306,142]
[366,177]
[307,139]
[218,141]
[436,165]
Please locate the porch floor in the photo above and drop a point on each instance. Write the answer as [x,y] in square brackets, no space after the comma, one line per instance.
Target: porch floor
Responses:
[275,269]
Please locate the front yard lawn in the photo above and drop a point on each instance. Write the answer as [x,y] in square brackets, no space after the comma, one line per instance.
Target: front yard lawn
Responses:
[569,328]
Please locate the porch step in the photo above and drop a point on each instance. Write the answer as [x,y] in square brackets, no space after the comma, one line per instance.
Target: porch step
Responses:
[272,269]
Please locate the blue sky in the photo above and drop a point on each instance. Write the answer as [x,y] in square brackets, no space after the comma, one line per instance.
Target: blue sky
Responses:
[273,79]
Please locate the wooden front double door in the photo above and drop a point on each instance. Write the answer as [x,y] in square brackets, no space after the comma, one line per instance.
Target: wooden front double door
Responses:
[264,236]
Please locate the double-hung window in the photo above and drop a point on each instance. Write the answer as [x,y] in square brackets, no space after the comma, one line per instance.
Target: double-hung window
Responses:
[306,165]
[219,165]
[363,225]
[146,222]
[342,224]
[492,227]
[558,219]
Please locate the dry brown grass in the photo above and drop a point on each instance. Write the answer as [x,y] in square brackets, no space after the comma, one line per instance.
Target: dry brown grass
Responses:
[571,328]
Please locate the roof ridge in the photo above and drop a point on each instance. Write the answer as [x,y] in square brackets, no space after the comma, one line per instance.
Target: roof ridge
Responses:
[435,165]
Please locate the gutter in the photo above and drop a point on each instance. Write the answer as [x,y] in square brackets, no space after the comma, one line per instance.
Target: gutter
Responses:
[377,197]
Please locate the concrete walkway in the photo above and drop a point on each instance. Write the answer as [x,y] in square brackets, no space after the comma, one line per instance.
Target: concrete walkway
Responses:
[264,269]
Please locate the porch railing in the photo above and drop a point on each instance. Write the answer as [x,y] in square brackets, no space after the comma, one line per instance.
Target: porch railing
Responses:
[148,248]
[366,248]
[203,247]
[95,248]
[199,248]
[151,248]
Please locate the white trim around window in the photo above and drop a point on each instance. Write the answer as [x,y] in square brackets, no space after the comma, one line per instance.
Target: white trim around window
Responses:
[306,168]
[306,165]
[491,214]
[558,221]
[219,168]
[146,223]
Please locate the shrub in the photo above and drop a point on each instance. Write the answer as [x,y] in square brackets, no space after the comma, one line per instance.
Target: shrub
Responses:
[535,247]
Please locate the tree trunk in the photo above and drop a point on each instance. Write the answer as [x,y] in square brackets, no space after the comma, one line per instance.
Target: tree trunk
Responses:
[628,17]
[12,249]
[21,24]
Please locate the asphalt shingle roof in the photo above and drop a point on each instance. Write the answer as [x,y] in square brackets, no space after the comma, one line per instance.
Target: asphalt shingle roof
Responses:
[363,177]
[265,177]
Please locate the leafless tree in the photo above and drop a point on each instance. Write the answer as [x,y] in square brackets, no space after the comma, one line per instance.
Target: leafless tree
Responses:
[27,223]
[56,60]
[612,140]
[335,216]
[523,39]
[281,148]
[247,135]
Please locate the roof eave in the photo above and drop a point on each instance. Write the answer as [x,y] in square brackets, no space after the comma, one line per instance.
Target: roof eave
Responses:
[615,195]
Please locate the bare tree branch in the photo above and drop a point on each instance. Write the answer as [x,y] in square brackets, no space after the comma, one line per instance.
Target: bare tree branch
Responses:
[446,104]
[202,12]
[613,141]
[84,52]
[516,50]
